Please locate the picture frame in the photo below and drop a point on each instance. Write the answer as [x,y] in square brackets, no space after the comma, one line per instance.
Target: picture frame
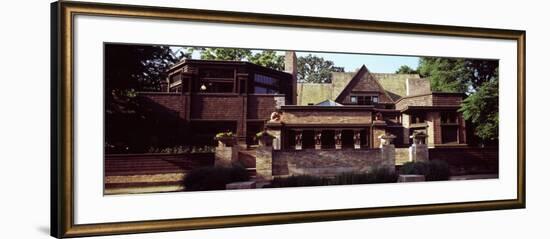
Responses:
[64,122]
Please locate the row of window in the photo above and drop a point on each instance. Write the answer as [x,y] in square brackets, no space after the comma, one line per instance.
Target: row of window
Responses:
[447,117]
[363,99]
[214,83]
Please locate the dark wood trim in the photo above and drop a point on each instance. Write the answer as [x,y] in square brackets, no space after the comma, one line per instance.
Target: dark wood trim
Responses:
[328,108]
[327,126]
[431,93]
[430,108]
[230,64]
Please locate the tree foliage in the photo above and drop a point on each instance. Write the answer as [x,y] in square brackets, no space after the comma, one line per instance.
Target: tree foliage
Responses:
[314,69]
[481,108]
[445,74]
[270,59]
[226,54]
[478,79]
[137,67]
[404,69]
[266,58]
[457,75]
[311,68]
[131,68]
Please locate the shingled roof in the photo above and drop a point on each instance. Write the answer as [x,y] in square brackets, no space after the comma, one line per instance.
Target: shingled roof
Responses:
[312,93]
[394,84]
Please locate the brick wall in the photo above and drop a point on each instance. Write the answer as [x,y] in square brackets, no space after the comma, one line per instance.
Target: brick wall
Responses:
[446,99]
[467,160]
[327,117]
[325,162]
[217,107]
[261,106]
[436,119]
[174,102]
[146,164]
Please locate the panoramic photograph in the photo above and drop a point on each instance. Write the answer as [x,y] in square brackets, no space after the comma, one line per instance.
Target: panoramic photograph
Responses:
[195,118]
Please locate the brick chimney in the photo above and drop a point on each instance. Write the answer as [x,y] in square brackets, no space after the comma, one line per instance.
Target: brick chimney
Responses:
[164,85]
[291,67]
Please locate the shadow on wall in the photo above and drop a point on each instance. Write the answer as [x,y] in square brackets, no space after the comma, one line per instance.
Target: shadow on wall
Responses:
[470,160]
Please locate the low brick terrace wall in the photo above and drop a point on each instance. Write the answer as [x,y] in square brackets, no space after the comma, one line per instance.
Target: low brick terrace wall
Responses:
[142,164]
[325,162]
[140,173]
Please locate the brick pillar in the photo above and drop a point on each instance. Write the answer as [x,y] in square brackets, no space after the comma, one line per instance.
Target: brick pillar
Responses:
[164,85]
[318,138]
[387,150]
[419,150]
[264,163]
[291,67]
[226,151]
[338,139]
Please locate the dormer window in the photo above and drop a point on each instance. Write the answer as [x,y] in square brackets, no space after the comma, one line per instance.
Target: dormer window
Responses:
[363,99]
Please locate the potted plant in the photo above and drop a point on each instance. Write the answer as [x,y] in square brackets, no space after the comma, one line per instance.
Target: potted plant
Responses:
[226,138]
[265,138]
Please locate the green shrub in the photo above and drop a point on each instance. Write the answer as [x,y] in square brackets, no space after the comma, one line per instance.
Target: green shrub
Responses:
[435,170]
[439,171]
[263,133]
[376,175]
[214,178]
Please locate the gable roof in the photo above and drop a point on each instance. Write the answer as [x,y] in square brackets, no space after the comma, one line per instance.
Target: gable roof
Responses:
[395,86]
[364,81]
[328,103]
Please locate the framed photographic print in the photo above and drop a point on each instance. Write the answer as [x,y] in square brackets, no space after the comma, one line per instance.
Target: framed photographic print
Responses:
[170,119]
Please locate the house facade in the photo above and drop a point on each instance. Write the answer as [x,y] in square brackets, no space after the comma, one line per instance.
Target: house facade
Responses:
[356,108]
[209,97]
[350,112]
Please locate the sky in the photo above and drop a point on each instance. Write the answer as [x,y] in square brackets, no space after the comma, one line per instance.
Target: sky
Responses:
[375,63]
[352,62]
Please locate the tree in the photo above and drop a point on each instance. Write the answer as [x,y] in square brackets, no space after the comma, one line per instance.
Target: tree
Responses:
[137,67]
[226,54]
[481,71]
[266,58]
[457,75]
[270,59]
[445,74]
[314,69]
[129,121]
[404,69]
[478,79]
[481,108]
